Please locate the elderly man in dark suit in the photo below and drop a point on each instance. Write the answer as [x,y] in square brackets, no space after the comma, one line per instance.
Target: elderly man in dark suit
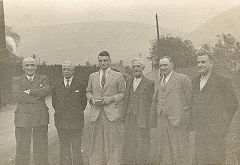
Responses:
[214,103]
[170,114]
[69,101]
[137,104]
[31,115]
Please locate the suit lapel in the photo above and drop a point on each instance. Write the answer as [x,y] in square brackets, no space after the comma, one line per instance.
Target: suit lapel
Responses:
[35,78]
[142,85]
[210,86]
[129,84]
[108,79]
[171,83]
[27,83]
[72,85]
[156,85]
[96,81]
[196,82]
[25,80]
[62,87]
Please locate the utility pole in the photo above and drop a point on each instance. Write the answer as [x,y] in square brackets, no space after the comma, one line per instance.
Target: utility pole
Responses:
[158,43]
[158,38]
[2,33]
[3,49]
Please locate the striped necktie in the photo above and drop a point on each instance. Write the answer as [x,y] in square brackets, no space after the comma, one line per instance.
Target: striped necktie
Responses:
[103,81]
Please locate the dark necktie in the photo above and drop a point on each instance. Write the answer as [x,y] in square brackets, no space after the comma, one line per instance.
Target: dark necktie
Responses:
[30,79]
[67,85]
[103,78]
[164,81]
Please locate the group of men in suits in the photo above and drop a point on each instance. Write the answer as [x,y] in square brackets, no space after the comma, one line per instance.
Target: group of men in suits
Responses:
[172,103]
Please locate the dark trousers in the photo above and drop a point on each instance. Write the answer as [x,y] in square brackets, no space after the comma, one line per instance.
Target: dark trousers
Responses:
[209,149]
[136,146]
[23,143]
[238,155]
[70,146]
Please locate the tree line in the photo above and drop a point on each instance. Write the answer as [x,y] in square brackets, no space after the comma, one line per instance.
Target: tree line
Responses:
[226,52]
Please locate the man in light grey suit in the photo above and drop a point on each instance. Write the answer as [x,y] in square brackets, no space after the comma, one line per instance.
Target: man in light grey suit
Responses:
[170,113]
[105,91]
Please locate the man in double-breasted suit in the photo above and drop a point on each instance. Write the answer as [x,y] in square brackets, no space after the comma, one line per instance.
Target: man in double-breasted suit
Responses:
[69,101]
[137,106]
[214,103]
[31,115]
[170,113]
[105,91]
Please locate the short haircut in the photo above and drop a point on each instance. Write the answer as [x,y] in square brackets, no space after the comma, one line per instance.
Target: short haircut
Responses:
[26,59]
[138,60]
[203,52]
[104,53]
[68,63]
[167,57]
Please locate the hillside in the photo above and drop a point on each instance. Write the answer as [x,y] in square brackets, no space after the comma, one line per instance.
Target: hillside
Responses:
[83,41]
[226,22]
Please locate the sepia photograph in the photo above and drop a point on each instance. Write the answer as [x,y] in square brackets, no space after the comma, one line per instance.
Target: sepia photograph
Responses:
[127,82]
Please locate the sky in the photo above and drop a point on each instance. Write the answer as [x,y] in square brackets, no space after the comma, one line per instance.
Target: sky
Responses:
[180,15]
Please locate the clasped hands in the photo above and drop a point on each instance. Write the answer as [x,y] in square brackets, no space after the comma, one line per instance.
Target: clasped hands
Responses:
[101,101]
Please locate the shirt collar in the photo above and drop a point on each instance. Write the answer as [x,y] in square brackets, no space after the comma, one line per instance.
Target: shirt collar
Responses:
[137,79]
[70,80]
[206,77]
[28,77]
[168,75]
[106,71]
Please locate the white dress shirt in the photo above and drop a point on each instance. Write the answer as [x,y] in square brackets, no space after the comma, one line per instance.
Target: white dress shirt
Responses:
[28,77]
[66,80]
[101,73]
[166,78]
[136,82]
[204,80]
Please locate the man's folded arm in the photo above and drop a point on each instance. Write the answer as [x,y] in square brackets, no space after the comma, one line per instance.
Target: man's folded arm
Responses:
[43,89]
[21,96]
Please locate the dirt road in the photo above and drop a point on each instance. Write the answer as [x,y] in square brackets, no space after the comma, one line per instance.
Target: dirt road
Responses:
[7,138]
